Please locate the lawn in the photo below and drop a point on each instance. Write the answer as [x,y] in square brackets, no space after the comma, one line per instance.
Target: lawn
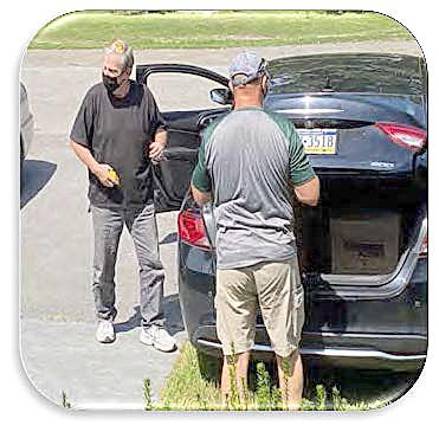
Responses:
[214,30]
[194,385]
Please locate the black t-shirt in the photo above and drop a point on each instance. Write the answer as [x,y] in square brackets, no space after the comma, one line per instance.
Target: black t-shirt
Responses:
[118,133]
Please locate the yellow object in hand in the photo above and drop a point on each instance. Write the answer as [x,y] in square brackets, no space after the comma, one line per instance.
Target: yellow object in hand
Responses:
[113,176]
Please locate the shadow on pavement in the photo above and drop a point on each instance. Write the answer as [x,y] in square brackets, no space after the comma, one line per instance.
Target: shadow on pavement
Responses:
[173,323]
[169,238]
[36,174]
[131,323]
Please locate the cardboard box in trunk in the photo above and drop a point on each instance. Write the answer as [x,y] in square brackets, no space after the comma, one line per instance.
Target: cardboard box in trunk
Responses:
[366,242]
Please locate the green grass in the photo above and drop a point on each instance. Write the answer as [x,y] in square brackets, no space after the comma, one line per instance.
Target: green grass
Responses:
[220,29]
[194,385]
[187,387]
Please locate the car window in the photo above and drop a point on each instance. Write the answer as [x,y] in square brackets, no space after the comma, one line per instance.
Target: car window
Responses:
[363,73]
[191,93]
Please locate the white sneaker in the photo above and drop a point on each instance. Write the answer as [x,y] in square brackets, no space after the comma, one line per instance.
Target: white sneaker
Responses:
[158,337]
[105,332]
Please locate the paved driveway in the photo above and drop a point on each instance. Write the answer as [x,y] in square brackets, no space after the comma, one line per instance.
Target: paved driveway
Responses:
[57,319]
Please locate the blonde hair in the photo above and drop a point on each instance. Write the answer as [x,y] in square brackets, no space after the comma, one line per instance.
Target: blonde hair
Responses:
[121,48]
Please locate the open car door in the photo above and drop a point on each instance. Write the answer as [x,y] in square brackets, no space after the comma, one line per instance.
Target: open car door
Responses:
[189,98]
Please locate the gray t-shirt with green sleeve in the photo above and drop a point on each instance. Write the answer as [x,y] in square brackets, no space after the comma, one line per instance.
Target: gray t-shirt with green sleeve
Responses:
[247,159]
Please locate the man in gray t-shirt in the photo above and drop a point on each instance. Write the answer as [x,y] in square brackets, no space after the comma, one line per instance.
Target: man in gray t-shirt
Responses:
[118,132]
[248,161]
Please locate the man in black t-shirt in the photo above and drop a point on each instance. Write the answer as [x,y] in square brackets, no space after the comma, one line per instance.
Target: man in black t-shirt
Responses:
[117,134]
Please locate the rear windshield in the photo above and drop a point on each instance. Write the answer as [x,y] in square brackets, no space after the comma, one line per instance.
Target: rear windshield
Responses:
[390,74]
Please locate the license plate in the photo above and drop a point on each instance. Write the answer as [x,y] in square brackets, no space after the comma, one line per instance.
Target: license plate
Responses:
[319,141]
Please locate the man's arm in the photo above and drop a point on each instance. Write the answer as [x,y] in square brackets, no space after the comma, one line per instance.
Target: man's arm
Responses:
[81,138]
[157,147]
[201,184]
[305,182]
[200,197]
[309,192]
[101,171]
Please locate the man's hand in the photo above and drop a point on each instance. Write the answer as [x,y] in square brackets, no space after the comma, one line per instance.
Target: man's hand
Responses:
[156,152]
[102,172]
[200,198]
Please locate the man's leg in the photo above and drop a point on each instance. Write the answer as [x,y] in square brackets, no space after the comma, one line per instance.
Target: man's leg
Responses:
[290,373]
[281,301]
[235,302]
[142,226]
[107,226]
[234,373]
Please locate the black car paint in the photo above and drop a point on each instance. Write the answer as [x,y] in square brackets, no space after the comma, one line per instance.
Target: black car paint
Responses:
[395,325]
[391,323]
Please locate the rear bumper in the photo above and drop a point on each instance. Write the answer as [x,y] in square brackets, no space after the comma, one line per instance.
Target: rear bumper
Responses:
[336,357]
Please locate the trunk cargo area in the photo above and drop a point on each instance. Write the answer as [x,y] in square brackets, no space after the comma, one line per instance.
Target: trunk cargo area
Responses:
[360,227]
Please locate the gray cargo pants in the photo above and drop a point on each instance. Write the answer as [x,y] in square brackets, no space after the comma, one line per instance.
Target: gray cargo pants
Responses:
[141,223]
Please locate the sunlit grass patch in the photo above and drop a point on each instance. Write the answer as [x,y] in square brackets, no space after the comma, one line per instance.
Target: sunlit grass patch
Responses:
[96,29]
[194,385]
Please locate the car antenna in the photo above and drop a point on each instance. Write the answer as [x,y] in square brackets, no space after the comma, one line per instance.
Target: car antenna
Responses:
[327,86]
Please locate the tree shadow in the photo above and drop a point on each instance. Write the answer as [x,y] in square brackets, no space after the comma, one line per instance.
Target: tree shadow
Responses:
[35,175]
[173,319]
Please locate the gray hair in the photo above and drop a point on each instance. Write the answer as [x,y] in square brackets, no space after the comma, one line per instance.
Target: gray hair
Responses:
[121,48]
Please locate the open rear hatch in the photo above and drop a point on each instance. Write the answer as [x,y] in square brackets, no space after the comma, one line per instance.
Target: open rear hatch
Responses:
[361,229]
[371,207]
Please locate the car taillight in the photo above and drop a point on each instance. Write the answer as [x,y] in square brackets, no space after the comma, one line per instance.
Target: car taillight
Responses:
[191,229]
[409,137]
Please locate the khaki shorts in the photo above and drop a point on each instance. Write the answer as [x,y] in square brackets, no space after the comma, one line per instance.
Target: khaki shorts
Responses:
[277,287]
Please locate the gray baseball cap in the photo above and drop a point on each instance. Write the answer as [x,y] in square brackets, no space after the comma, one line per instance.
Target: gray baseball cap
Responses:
[246,67]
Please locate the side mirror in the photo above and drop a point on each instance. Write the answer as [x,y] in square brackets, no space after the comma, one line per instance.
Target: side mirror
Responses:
[222,96]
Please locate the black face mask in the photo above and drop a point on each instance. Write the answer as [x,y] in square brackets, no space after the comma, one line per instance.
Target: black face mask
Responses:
[110,83]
